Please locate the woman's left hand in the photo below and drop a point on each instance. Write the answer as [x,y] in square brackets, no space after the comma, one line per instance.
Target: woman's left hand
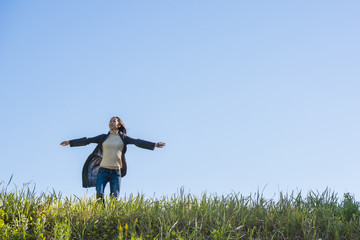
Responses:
[159,144]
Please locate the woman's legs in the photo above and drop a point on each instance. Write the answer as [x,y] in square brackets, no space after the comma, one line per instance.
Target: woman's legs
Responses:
[104,176]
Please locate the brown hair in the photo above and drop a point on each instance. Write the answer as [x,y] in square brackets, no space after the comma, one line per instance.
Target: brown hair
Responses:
[122,126]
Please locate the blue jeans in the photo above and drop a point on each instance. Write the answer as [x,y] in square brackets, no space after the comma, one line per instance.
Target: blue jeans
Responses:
[104,176]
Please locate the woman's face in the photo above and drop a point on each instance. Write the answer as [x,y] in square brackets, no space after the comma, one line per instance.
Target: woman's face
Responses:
[114,124]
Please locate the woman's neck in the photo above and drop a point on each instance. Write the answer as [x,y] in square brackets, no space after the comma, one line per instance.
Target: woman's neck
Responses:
[113,131]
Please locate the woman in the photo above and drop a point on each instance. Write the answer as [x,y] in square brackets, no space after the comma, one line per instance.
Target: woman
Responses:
[107,162]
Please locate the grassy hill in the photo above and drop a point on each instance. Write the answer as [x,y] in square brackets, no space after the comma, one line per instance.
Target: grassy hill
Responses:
[23,215]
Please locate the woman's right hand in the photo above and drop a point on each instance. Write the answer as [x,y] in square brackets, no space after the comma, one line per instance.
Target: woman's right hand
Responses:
[64,143]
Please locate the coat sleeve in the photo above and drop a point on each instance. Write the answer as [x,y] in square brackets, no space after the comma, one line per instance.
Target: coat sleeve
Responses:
[139,143]
[85,140]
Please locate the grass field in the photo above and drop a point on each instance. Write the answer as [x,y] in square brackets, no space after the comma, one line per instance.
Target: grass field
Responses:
[27,215]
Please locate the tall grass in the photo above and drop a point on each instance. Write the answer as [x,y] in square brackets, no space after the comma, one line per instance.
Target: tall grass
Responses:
[23,215]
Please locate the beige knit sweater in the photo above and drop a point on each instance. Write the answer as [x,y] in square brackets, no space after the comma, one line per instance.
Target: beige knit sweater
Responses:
[112,148]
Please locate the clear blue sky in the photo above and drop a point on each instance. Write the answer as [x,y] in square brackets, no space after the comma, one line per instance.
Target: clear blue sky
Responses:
[246,94]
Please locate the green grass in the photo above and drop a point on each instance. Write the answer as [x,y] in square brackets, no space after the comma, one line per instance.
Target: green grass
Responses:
[26,215]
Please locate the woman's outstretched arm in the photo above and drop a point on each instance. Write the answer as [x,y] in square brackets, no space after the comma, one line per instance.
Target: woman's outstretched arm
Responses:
[83,141]
[142,143]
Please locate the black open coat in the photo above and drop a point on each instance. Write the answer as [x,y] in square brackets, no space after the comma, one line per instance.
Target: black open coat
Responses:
[91,166]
